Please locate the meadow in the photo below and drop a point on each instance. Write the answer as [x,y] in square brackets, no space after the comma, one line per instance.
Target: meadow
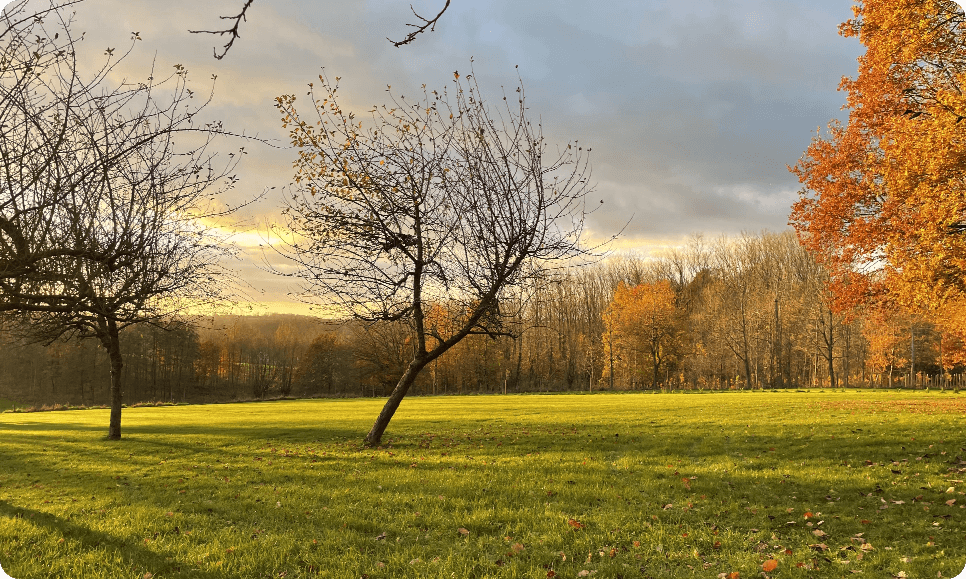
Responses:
[719,485]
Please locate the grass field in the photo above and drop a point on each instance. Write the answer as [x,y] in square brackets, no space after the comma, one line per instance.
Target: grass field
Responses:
[608,485]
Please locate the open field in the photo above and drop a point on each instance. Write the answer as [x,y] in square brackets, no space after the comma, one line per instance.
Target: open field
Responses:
[609,485]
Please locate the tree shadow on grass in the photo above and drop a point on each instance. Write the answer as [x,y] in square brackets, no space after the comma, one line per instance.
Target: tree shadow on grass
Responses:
[309,432]
[137,558]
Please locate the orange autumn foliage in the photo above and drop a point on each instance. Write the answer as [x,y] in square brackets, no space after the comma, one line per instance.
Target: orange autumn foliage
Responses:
[887,338]
[884,203]
[644,319]
[951,323]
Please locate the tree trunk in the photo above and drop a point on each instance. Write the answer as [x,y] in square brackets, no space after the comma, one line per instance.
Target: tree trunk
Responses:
[745,348]
[112,343]
[831,351]
[374,438]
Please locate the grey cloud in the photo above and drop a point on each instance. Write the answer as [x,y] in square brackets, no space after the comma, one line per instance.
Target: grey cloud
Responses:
[692,109]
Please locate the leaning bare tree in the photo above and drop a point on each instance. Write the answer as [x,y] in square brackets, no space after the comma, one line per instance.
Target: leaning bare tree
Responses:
[441,201]
[101,213]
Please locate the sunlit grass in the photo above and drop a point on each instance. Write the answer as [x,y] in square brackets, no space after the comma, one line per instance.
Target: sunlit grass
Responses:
[631,485]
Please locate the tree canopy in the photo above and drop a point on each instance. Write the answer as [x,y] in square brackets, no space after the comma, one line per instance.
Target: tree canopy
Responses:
[101,211]
[884,203]
[434,201]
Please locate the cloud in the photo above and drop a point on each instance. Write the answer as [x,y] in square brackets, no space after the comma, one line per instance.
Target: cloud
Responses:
[693,110]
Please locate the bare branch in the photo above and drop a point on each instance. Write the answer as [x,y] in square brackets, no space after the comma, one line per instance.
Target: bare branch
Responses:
[232,32]
[428,24]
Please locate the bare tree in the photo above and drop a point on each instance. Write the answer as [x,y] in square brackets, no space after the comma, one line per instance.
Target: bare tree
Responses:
[101,213]
[436,201]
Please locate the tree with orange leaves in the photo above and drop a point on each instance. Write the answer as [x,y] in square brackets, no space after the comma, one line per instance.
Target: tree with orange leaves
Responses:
[644,320]
[888,343]
[884,203]
[951,323]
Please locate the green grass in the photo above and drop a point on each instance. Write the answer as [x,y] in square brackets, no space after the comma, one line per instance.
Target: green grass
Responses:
[657,485]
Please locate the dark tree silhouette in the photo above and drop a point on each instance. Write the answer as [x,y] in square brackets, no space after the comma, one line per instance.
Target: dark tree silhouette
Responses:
[436,201]
[101,213]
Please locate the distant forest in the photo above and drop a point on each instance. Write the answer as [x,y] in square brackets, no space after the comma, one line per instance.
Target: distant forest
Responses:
[734,313]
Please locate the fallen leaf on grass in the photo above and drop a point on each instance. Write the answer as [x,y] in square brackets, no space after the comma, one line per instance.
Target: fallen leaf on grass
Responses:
[517,548]
[769,565]
[381,536]
[951,502]
[575,524]
[819,533]
[147,575]
[819,547]
[463,531]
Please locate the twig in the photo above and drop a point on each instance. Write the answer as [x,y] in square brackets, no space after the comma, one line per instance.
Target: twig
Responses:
[233,30]
[427,23]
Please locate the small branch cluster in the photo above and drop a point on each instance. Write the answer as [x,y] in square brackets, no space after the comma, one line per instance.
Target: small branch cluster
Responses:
[427,24]
[231,32]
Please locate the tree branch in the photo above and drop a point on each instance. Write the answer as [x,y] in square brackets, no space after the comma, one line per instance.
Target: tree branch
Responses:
[427,24]
[233,31]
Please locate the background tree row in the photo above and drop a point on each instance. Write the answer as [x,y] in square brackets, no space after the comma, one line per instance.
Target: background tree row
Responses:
[733,313]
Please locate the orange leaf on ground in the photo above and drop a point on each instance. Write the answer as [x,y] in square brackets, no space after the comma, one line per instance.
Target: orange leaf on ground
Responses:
[769,565]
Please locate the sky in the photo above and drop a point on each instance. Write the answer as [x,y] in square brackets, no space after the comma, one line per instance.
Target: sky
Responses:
[693,109]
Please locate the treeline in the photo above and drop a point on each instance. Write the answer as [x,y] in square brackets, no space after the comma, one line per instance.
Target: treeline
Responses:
[733,313]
